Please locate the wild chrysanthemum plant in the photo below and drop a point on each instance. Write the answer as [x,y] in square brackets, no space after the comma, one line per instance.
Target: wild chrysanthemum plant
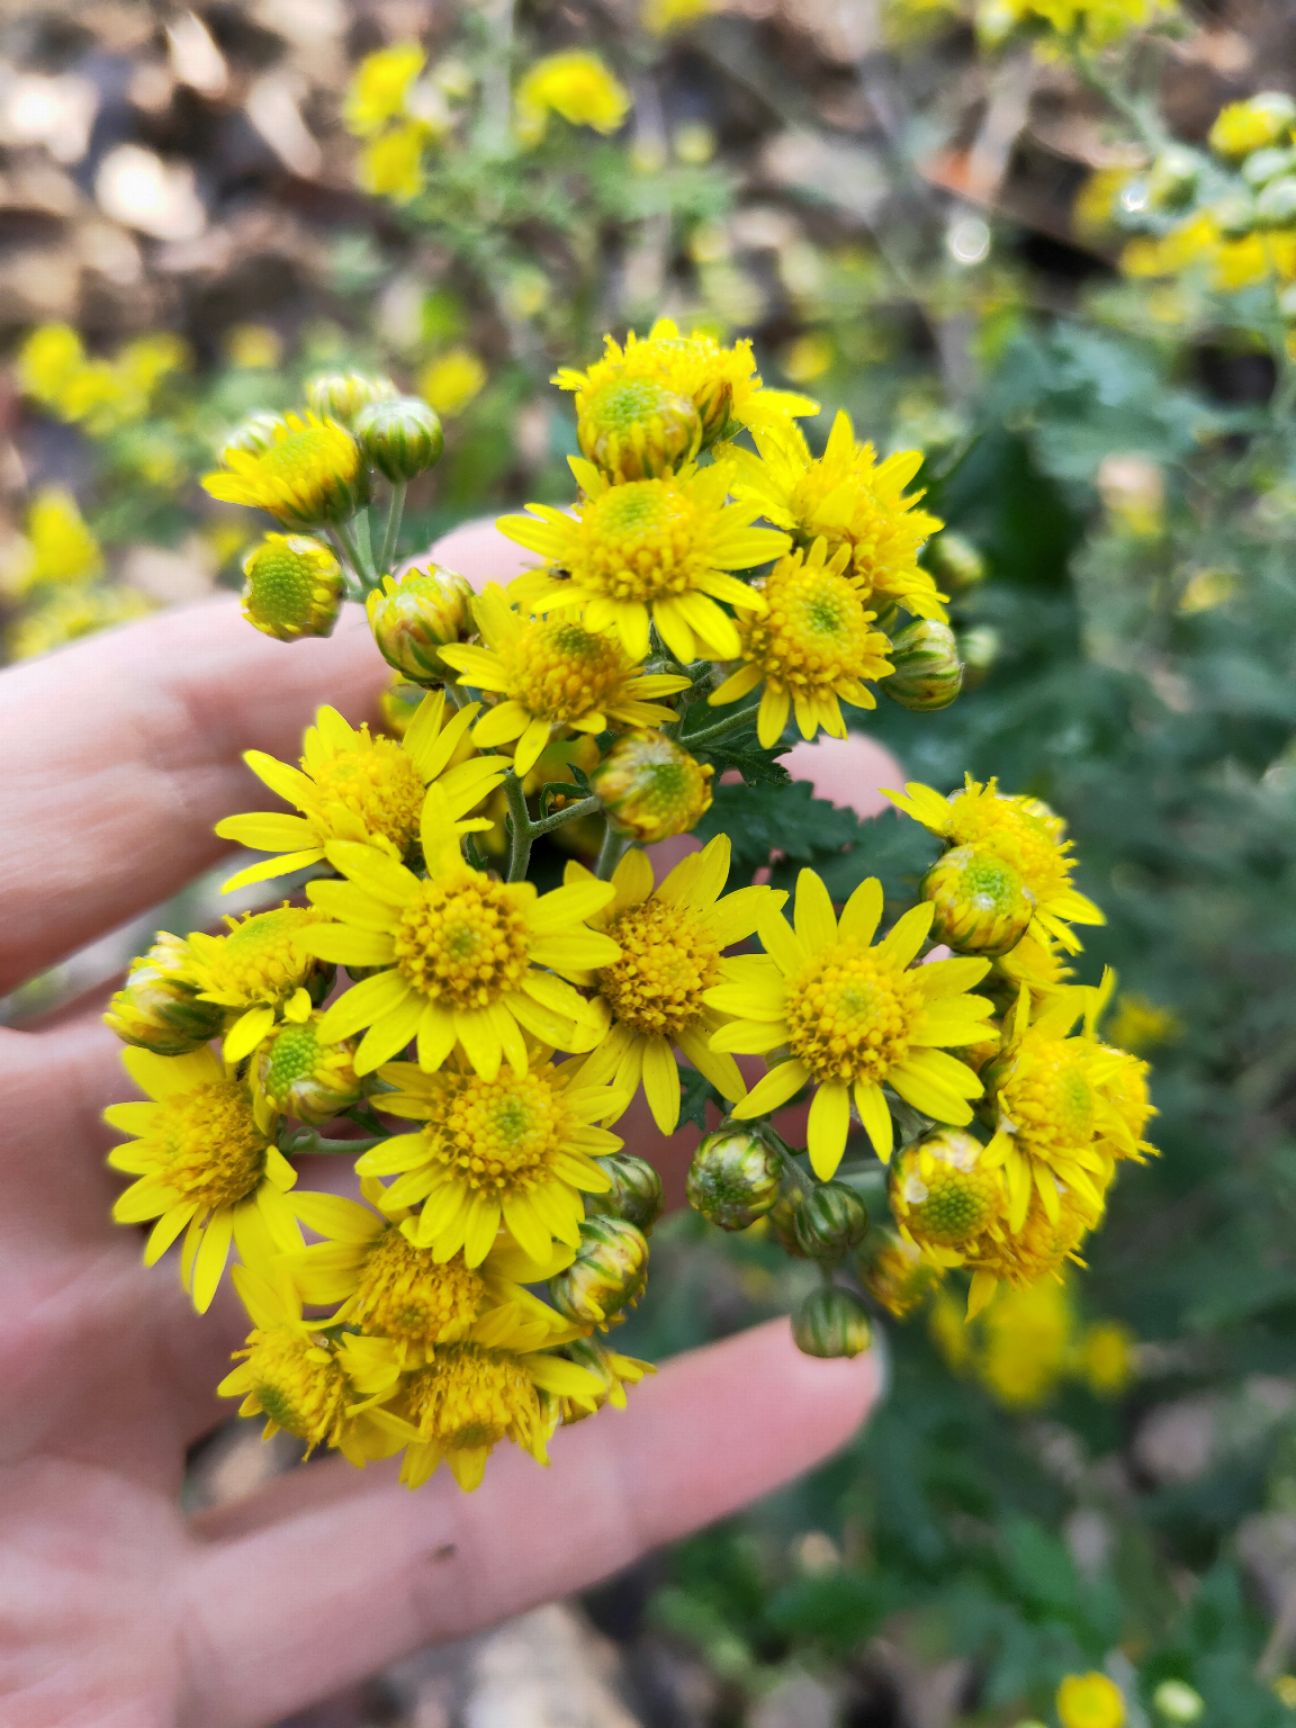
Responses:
[467,1024]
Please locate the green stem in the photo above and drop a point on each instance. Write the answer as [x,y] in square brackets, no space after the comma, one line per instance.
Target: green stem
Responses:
[569,813]
[303,1146]
[520,830]
[456,697]
[611,852]
[395,510]
[350,554]
[731,723]
[364,539]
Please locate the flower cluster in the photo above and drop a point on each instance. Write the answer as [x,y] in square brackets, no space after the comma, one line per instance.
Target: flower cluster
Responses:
[467,1031]
[56,575]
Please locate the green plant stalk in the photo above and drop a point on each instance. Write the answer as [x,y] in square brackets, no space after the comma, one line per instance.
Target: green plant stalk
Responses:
[731,723]
[613,849]
[520,835]
[391,532]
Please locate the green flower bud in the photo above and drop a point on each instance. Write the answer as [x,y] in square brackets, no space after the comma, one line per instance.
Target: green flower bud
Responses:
[613,1369]
[831,1220]
[1237,216]
[607,1276]
[979,649]
[401,438]
[943,1193]
[1173,178]
[253,435]
[832,1322]
[954,562]
[896,1273]
[292,586]
[1266,165]
[982,904]
[414,615]
[783,1214]
[157,1008]
[1176,1701]
[928,672]
[1276,205]
[635,1194]
[652,789]
[305,1077]
[735,1177]
[637,429]
[341,395]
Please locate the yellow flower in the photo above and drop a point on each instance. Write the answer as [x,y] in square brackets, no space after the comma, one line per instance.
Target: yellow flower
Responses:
[299,1073]
[1038,1250]
[575,85]
[1090,1701]
[461,960]
[1026,1344]
[58,550]
[292,586]
[651,789]
[517,1150]
[850,499]
[672,940]
[615,1372]
[68,616]
[1255,124]
[204,1164]
[253,347]
[660,17]
[552,673]
[1024,833]
[147,362]
[353,786]
[721,382]
[48,363]
[946,1195]
[1106,1358]
[811,647]
[380,86]
[853,1016]
[310,471]
[1098,22]
[391,165]
[1140,1024]
[896,1273]
[254,970]
[651,552]
[452,380]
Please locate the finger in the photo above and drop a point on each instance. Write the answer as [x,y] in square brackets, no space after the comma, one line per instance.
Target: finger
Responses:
[325,1577]
[131,747]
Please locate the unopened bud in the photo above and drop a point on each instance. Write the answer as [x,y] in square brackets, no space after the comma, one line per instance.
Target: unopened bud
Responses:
[832,1322]
[982,904]
[402,437]
[637,429]
[954,562]
[157,1008]
[943,1193]
[928,673]
[1236,216]
[1266,165]
[1173,177]
[831,1220]
[1276,205]
[734,1178]
[305,1077]
[607,1276]
[292,586]
[635,1194]
[895,1273]
[652,789]
[1176,1701]
[252,435]
[398,705]
[342,395]
[414,615]
[979,648]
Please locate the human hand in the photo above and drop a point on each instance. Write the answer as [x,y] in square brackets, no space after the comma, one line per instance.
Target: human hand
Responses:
[118,1609]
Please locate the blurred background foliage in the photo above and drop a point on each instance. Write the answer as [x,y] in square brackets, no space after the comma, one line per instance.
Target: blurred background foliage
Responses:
[1046,270]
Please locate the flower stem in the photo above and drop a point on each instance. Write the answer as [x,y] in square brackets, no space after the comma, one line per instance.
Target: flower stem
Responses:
[346,545]
[611,852]
[569,813]
[520,829]
[731,723]
[391,533]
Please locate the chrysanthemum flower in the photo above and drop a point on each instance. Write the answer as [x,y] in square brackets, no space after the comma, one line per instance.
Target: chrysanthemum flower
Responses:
[551,673]
[946,1195]
[650,552]
[292,587]
[301,1074]
[1025,1344]
[353,786]
[308,473]
[1090,1701]
[1022,831]
[460,958]
[515,1150]
[578,87]
[204,1164]
[853,1017]
[615,1370]
[811,648]
[672,942]
[1037,1247]
[721,382]
[380,87]
[254,971]
[849,498]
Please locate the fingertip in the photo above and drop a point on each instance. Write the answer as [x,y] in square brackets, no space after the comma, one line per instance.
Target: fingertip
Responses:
[849,771]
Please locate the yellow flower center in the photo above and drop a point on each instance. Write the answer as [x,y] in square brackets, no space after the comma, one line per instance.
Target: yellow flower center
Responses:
[469,1397]
[401,1292]
[462,940]
[261,959]
[297,1383]
[293,1056]
[1127,1092]
[1047,1099]
[949,1206]
[883,538]
[640,542]
[850,1014]
[1040,1247]
[668,959]
[308,461]
[212,1150]
[1022,837]
[815,633]
[500,1136]
[559,671]
[377,782]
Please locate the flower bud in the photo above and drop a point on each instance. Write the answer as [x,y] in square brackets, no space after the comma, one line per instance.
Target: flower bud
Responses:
[1175,1701]
[1173,178]
[652,789]
[340,396]
[304,1076]
[928,673]
[943,1194]
[1236,216]
[253,435]
[635,1194]
[157,1007]
[1276,205]
[398,705]
[832,1322]
[637,429]
[954,562]
[982,904]
[401,437]
[979,649]
[734,1178]
[831,1220]
[896,1274]
[292,586]
[782,1216]
[416,614]
[607,1276]
[611,1367]
[1266,165]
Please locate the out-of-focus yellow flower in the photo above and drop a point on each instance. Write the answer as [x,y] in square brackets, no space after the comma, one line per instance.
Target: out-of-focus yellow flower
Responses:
[58,549]
[1207,589]
[1106,1357]
[949,1332]
[307,472]
[808,356]
[1138,1023]
[1284,1688]
[1098,23]
[67,615]
[450,381]
[1256,124]
[49,361]
[149,360]
[253,347]
[379,88]
[1022,1358]
[1097,204]
[577,86]
[1090,1701]
[660,17]
[694,143]
[391,165]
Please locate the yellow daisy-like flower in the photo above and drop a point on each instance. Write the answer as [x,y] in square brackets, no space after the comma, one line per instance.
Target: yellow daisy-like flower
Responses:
[254,970]
[577,86]
[310,472]
[353,786]
[615,1371]
[380,86]
[58,548]
[1026,1344]
[853,1016]
[205,1164]
[849,498]
[721,382]
[946,1196]
[461,960]
[1040,1247]
[649,552]
[672,941]
[391,165]
[1090,1701]
[551,673]
[1024,833]
[68,616]
[811,647]
[517,1150]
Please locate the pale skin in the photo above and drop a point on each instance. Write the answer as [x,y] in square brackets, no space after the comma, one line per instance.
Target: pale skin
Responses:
[117,1610]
